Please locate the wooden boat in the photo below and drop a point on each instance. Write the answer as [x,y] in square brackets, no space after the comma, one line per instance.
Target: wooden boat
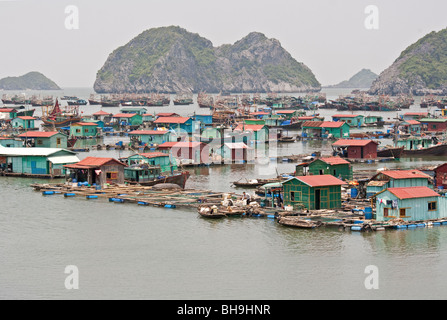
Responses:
[297,222]
[437,150]
[390,152]
[59,118]
[176,178]
[208,212]
[287,139]
[254,183]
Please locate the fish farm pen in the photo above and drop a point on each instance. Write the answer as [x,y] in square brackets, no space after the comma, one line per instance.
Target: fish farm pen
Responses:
[348,218]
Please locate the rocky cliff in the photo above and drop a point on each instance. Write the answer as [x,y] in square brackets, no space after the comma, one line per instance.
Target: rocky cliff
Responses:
[419,70]
[362,79]
[171,59]
[31,81]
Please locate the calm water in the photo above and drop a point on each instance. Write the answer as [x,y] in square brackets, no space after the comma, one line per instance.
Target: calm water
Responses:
[131,252]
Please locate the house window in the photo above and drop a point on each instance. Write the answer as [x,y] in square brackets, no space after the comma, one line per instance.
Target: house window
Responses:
[78,130]
[432,206]
[39,142]
[292,196]
[112,175]
[386,212]
[403,213]
[58,141]
[86,130]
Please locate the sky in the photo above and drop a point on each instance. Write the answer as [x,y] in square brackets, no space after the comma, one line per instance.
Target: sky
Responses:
[329,36]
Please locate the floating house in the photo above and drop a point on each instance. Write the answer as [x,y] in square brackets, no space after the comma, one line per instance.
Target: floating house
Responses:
[148,117]
[325,129]
[10,142]
[131,119]
[440,179]
[134,110]
[151,137]
[434,124]
[206,120]
[152,159]
[41,139]
[99,171]
[289,114]
[313,192]
[412,127]
[237,152]
[260,131]
[102,116]
[187,152]
[334,166]
[84,129]
[356,149]
[260,114]
[396,179]
[414,142]
[41,162]
[7,114]
[178,124]
[353,120]
[376,121]
[24,122]
[410,204]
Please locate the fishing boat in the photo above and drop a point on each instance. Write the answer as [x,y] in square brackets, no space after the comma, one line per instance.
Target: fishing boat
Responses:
[390,152]
[56,117]
[297,222]
[146,175]
[436,150]
[287,139]
[77,102]
[254,183]
[183,100]
[210,212]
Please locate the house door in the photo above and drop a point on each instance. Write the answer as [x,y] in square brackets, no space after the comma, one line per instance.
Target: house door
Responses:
[317,199]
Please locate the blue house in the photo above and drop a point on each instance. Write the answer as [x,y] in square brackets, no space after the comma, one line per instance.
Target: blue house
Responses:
[177,124]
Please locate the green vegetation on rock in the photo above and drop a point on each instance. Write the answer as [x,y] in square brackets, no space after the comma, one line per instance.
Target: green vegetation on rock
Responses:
[31,81]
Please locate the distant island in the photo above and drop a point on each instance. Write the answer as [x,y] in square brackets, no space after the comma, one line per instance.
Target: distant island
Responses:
[362,79]
[420,69]
[172,60]
[29,81]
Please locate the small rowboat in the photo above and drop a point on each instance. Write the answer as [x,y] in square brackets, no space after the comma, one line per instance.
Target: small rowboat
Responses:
[208,212]
[296,222]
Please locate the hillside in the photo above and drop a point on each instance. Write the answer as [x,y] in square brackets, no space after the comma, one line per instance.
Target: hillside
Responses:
[31,81]
[420,69]
[362,79]
[171,59]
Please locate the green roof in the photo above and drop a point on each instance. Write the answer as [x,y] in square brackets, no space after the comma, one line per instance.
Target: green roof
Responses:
[432,120]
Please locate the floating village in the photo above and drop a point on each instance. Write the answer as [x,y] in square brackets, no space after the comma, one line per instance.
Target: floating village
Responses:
[323,191]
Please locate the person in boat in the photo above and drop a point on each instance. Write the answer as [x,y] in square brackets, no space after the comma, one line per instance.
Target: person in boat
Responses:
[246,196]
[213,210]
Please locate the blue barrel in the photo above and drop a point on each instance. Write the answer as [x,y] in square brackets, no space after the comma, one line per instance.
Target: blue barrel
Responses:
[92,197]
[368,213]
[169,206]
[69,194]
[47,193]
[356,228]
[354,193]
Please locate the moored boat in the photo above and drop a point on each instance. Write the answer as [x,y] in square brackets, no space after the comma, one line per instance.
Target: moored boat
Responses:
[297,222]
[390,152]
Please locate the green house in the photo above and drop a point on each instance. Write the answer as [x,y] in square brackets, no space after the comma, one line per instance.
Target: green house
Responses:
[260,132]
[353,120]
[410,204]
[127,119]
[325,129]
[45,162]
[134,110]
[313,192]
[376,121]
[10,142]
[289,114]
[334,166]
[23,122]
[84,129]
[396,179]
[414,143]
[151,137]
[153,159]
[41,139]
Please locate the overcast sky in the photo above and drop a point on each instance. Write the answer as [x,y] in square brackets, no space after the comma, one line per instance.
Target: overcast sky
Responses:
[329,36]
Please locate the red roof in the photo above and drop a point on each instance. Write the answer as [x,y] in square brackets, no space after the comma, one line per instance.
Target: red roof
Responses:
[171,120]
[321,181]
[84,124]
[7,109]
[93,162]
[306,118]
[124,115]
[323,124]
[26,118]
[101,113]
[148,132]
[416,114]
[181,144]
[413,192]
[286,112]
[352,143]
[37,134]
[412,122]
[250,127]
[168,114]
[404,174]
[334,160]
[260,113]
[154,155]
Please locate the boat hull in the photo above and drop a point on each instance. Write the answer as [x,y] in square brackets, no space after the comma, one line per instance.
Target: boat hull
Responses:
[179,179]
[390,152]
[438,150]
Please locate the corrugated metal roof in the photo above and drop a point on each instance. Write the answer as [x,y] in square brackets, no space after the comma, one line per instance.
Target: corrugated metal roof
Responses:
[63,159]
[352,143]
[151,155]
[413,192]
[148,132]
[172,120]
[45,152]
[323,124]
[93,162]
[334,160]
[124,115]
[37,134]
[320,181]
[405,174]
[250,127]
